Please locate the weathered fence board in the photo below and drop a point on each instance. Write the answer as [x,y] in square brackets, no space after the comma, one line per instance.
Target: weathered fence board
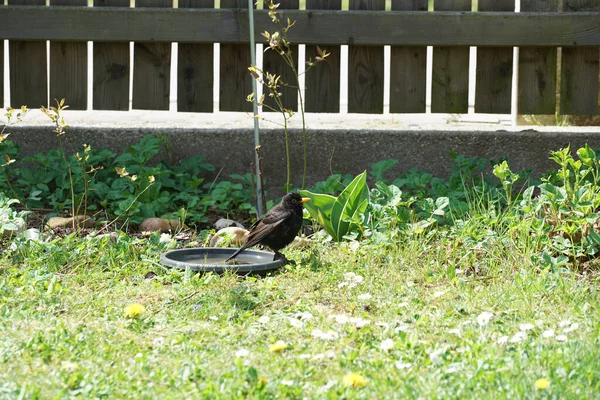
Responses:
[314,27]
[408,79]
[28,72]
[274,63]
[68,67]
[111,69]
[323,82]
[151,68]
[365,70]
[234,79]
[195,70]
[579,70]
[537,69]
[450,80]
[494,69]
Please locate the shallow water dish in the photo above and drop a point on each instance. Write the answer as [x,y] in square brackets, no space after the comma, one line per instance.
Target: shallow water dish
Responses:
[212,259]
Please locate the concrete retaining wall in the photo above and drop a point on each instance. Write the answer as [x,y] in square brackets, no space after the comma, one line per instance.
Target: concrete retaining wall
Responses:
[344,150]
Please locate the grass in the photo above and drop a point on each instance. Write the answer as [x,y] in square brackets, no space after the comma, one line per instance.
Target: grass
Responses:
[421,305]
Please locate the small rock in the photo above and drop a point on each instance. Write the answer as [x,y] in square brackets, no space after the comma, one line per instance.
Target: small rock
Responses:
[160,224]
[234,234]
[113,236]
[226,223]
[80,221]
[300,242]
[32,234]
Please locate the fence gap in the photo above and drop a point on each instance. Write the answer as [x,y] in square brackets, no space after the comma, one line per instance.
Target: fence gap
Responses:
[494,69]
[537,69]
[323,81]
[28,68]
[408,69]
[151,68]
[365,69]
[234,79]
[111,69]
[195,70]
[450,78]
[274,63]
[579,70]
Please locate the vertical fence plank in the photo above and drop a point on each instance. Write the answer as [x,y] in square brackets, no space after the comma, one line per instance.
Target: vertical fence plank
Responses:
[450,81]
[323,81]
[537,69]
[494,69]
[151,68]
[1,71]
[274,63]
[579,70]
[365,70]
[68,67]
[28,70]
[111,69]
[234,79]
[195,70]
[408,69]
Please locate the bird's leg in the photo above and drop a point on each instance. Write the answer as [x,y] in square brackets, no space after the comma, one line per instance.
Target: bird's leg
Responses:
[281,256]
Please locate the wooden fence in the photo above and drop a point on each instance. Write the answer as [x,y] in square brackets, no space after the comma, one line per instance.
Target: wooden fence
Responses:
[540,30]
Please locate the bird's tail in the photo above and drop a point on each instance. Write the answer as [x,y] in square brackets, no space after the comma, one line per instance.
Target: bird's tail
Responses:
[234,255]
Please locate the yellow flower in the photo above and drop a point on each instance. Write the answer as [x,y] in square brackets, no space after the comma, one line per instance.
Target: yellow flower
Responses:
[542,384]
[121,172]
[134,310]
[278,346]
[262,380]
[355,380]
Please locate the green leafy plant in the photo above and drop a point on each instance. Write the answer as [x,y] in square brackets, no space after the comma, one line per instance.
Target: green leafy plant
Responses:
[340,215]
[565,212]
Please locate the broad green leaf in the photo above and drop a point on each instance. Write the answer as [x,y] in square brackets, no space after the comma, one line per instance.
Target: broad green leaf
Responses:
[587,155]
[346,204]
[319,207]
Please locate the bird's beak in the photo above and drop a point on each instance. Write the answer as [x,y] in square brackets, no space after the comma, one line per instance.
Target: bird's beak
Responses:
[304,199]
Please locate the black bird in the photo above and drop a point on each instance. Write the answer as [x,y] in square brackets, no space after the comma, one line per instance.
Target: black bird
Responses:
[278,227]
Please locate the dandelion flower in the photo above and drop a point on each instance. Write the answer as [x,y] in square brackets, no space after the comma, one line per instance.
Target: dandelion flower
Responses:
[387,345]
[134,310]
[542,384]
[518,337]
[364,297]
[402,365]
[242,353]
[355,380]
[548,333]
[277,346]
[571,328]
[561,338]
[436,357]
[296,323]
[526,327]
[359,322]
[564,323]
[484,318]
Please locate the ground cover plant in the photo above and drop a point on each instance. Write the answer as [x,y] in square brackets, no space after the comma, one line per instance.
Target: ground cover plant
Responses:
[474,285]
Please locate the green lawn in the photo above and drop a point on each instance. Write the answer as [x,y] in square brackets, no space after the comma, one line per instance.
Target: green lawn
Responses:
[419,317]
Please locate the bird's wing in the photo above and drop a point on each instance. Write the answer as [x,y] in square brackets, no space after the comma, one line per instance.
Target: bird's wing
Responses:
[263,227]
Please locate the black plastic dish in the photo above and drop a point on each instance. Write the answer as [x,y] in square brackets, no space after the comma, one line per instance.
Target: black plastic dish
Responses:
[212,259]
